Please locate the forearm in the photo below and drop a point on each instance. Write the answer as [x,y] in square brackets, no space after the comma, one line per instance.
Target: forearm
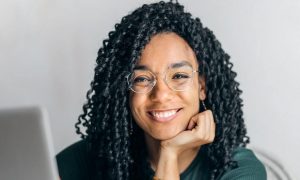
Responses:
[167,167]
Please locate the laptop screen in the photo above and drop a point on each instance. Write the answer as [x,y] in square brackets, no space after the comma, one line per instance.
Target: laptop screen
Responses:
[26,151]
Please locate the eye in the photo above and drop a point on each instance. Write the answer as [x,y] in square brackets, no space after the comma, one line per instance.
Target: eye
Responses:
[141,79]
[180,76]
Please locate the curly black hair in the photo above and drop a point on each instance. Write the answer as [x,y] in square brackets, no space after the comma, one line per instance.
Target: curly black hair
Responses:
[106,122]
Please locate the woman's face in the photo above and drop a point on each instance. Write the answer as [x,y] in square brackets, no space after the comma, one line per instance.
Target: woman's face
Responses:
[162,113]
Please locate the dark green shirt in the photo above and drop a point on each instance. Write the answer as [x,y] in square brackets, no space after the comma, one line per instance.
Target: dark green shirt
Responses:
[75,163]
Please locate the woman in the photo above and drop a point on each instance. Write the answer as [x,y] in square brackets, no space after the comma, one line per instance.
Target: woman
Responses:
[164,104]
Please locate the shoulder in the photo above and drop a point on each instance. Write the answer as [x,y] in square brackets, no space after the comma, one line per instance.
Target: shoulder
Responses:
[249,166]
[73,152]
[75,161]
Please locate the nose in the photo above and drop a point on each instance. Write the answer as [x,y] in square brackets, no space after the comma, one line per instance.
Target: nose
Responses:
[161,91]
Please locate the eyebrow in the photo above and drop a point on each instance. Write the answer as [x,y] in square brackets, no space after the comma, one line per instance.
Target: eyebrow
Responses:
[173,65]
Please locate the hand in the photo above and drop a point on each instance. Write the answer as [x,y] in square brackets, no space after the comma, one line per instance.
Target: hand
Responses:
[200,131]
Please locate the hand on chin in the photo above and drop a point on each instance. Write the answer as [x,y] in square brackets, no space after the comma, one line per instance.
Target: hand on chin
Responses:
[200,131]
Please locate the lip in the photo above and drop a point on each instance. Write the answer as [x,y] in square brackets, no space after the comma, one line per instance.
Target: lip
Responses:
[164,119]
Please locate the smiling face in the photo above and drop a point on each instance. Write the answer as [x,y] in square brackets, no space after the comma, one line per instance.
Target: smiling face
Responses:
[162,113]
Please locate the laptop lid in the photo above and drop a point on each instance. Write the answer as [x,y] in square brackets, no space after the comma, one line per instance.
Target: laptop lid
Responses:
[26,148]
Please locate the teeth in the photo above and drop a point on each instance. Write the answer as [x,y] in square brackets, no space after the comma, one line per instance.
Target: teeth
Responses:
[164,114]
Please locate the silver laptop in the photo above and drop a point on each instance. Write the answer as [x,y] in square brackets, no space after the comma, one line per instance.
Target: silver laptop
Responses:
[26,148]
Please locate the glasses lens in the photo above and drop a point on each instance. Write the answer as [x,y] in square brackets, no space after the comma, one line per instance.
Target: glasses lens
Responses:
[179,79]
[141,81]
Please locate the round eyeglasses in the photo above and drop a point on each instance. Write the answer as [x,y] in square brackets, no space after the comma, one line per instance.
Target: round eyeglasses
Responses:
[178,79]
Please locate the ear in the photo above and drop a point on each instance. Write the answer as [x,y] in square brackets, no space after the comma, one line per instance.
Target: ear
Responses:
[202,88]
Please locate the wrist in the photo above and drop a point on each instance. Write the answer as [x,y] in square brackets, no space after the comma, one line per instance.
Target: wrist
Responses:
[168,149]
[167,166]
[168,154]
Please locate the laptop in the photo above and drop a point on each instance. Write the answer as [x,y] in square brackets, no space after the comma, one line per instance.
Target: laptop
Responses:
[26,147]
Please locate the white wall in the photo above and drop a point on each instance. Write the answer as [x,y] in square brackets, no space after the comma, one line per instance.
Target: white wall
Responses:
[48,51]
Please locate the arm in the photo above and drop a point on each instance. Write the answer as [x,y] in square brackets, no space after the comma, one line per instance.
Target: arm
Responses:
[168,162]
[200,131]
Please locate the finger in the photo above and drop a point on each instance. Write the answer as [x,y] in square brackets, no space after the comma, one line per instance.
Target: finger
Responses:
[192,123]
[208,121]
[201,126]
[212,127]
[204,127]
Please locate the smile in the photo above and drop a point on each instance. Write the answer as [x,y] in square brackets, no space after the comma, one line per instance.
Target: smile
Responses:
[164,116]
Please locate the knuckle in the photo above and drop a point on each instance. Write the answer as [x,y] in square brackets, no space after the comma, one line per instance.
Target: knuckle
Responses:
[200,136]
[212,138]
[207,139]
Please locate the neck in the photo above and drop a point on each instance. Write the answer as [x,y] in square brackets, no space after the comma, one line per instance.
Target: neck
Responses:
[184,159]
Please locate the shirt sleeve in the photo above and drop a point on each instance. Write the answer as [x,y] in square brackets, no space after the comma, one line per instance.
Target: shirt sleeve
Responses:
[74,162]
[249,167]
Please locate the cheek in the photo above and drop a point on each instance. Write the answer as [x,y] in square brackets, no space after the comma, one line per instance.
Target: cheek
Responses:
[136,104]
[132,103]
[192,99]
[195,102]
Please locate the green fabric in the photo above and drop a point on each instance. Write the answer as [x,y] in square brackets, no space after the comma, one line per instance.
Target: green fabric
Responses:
[75,163]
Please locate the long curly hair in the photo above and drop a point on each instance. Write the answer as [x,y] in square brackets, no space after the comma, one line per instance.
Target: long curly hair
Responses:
[106,122]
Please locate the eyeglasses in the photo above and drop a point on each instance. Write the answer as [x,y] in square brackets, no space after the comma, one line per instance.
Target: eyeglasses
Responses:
[178,79]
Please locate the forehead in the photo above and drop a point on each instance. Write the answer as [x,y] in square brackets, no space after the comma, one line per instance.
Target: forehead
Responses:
[164,50]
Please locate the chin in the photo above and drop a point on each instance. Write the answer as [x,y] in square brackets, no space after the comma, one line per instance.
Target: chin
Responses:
[164,135]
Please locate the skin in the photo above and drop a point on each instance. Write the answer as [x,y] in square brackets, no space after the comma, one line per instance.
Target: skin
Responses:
[172,145]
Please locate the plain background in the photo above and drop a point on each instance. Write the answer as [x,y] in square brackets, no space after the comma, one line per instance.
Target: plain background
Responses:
[48,51]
